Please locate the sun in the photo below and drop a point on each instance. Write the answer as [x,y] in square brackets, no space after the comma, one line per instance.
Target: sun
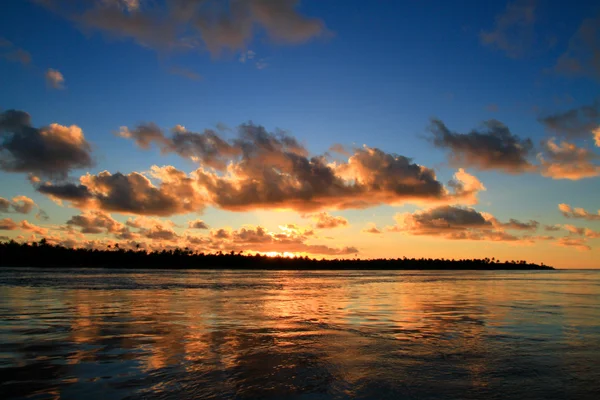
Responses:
[280,254]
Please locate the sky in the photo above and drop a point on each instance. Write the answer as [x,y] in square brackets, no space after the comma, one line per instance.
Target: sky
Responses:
[365,129]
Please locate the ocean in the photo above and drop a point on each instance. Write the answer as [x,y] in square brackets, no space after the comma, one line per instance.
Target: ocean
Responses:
[169,334]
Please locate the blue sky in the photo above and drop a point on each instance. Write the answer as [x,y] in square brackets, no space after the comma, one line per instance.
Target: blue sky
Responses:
[374,75]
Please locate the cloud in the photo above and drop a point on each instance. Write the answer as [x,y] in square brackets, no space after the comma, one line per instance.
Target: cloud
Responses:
[578,243]
[214,25]
[247,55]
[144,135]
[582,57]
[513,30]
[493,147]
[96,222]
[324,220]
[197,224]
[261,64]
[160,233]
[578,213]
[10,52]
[567,161]
[456,223]
[591,233]
[552,228]
[259,169]
[574,230]
[371,228]
[596,133]
[8,224]
[55,79]
[514,224]
[296,230]
[186,73]
[19,204]
[492,107]
[51,151]
[27,226]
[340,149]
[132,193]
[258,239]
[574,123]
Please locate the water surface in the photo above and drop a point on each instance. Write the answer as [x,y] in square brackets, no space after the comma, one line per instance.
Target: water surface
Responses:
[100,334]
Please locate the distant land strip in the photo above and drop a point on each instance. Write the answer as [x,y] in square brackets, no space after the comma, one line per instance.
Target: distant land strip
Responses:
[42,254]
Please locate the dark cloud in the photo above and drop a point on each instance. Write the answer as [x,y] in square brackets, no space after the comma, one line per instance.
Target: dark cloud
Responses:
[552,228]
[197,224]
[324,220]
[567,161]
[578,213]
[51,151]
[10,52]
[577,122]
[132,193]
[582,57]
[516,225]
[513,30]
[492,147]
[78,194]
[215,25]
[42,215]
[144,135]
[459,223]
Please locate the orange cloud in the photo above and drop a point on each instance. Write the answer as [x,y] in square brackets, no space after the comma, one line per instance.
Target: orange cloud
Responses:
[55,79]
[27,226]
[567,161]
[19,204]
[324,220]
[578,213]
[579,244]
[371,228]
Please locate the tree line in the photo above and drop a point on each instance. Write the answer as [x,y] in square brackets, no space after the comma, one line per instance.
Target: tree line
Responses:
[44,254]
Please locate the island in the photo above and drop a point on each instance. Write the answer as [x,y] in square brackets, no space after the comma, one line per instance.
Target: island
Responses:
[44,255]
